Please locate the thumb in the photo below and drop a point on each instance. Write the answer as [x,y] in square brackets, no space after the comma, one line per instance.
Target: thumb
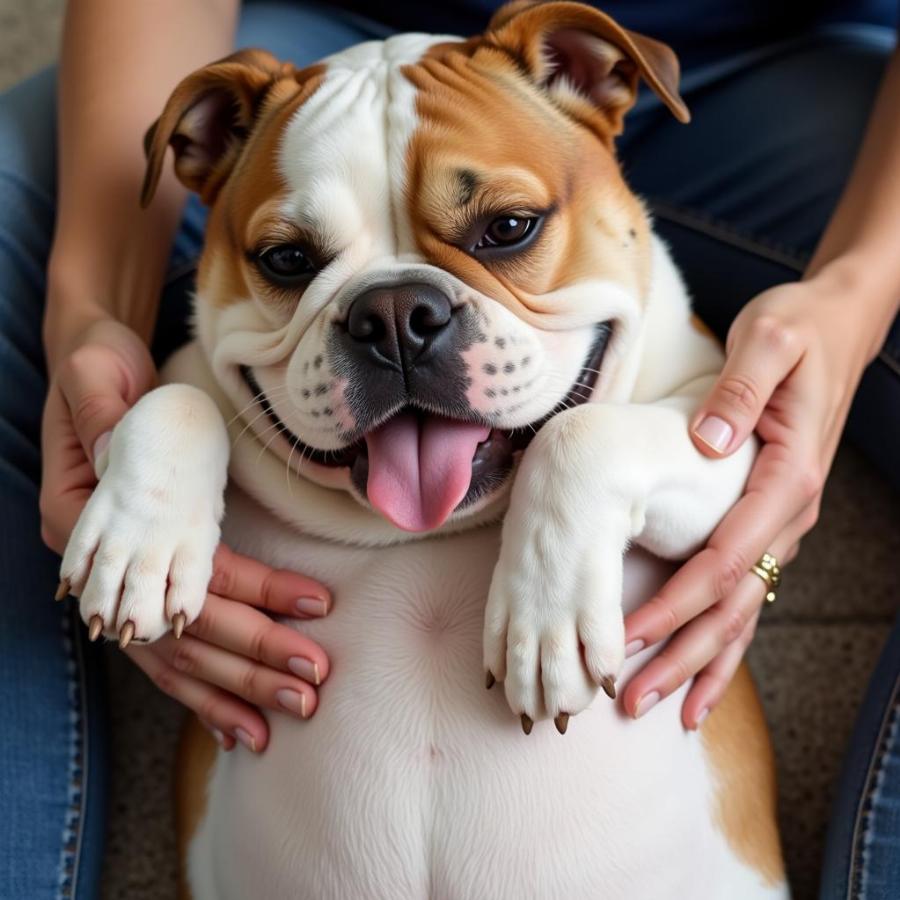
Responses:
[98,392]
[755,367]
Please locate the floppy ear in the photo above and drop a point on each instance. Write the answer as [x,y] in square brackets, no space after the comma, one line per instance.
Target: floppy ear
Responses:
[576,52]
[208,118]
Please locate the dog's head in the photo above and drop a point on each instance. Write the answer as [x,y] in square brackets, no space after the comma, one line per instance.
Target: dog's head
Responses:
[420,249]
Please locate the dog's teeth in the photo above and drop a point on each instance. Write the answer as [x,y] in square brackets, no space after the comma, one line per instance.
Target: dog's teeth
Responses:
[126,634]
[63,590]
[527,723]
[489,680]
[562,722]
[178,622]
[609,686]
[95,628]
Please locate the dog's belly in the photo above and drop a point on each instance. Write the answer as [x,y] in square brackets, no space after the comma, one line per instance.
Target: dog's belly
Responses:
[413,781]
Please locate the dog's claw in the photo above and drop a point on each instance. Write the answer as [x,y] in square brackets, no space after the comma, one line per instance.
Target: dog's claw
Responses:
[489,680]
[63,590]
[95,628]
[562,722]
[527,723]
[609,686]
[179,620]
[126,634]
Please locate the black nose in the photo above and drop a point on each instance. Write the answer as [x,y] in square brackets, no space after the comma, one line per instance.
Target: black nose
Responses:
[399,324]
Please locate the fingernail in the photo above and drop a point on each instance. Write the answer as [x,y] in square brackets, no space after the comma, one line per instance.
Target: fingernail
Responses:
[218,735]
[245,738]
[715,433]
[305,669]
[292,701]
[701,718]
[634,647]
[646,703]
[312,606]
[100,445]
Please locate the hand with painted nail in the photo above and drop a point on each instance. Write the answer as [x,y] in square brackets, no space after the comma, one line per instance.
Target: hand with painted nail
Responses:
[235,660]
[795,355]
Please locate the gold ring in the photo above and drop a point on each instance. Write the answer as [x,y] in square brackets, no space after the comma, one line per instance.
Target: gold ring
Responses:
[768,569]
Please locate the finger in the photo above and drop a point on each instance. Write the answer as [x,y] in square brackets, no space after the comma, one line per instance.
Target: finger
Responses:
[67,475]
[225,712]
[225,741]
[245,579]
[751,528]
[711,683]
[245,678]
[694,647]
[762,356]
[95,388]
[243,630]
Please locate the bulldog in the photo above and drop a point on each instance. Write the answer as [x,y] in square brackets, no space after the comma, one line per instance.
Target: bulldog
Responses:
[445,366]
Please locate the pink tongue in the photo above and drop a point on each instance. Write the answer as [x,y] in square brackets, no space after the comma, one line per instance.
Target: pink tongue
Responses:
[420,469]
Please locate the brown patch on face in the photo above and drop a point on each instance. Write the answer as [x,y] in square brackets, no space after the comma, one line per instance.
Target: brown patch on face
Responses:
[244,215]
[196,756]
[491,143]
[736,741]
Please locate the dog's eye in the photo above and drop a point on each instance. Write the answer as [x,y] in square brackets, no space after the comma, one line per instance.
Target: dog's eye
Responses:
[286,264]
[507,231]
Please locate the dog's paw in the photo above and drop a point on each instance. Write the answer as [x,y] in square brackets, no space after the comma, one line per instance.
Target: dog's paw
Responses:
[141,554]
[554,632]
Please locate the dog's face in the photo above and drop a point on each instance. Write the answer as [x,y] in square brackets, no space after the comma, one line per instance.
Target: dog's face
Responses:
[418,250]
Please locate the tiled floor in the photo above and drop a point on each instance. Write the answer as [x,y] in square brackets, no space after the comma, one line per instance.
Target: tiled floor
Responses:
[812,657]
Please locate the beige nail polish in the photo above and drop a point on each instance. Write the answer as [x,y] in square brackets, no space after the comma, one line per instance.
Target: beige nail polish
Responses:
[292,701]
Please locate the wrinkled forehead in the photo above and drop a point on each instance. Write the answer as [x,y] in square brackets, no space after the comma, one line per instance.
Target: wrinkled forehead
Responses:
[384,111]
[343,154]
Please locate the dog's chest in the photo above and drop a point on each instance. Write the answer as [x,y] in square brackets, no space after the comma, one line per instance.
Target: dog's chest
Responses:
[412,780]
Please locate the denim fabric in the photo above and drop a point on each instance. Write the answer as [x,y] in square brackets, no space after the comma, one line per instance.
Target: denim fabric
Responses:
[741,195]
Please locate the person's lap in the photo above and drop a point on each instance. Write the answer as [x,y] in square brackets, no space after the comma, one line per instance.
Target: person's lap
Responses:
[732,193]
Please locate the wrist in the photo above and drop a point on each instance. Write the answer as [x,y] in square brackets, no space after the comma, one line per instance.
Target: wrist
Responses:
[863,299]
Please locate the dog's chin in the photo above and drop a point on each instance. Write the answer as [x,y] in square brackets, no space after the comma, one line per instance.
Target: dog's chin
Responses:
[419,469]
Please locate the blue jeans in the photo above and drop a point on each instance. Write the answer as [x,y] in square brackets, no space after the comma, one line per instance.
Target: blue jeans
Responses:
[741,195]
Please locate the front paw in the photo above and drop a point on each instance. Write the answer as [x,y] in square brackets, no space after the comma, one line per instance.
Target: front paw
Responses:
[553,630]
[141,554]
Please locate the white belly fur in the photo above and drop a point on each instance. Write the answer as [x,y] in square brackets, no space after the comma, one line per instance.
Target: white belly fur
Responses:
[412,781]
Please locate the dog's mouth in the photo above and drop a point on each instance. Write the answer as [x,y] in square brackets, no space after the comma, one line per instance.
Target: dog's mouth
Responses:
[417,468]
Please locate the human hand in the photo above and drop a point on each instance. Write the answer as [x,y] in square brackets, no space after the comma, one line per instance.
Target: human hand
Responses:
[795,355]
[234,658]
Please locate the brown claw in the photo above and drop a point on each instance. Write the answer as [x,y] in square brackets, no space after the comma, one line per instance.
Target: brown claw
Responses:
[527,723]
[179,620]
[562,722]
[95,628]
[609,686]
[63,590]
[489,680]
[126,634]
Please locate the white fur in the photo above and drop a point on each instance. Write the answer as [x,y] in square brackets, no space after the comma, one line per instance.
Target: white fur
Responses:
[142,548]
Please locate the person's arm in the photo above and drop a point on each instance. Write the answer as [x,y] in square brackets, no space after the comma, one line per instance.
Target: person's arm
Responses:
[120,61]
[796,354]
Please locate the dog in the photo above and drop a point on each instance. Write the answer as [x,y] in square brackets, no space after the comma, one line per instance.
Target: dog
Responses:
[448,369]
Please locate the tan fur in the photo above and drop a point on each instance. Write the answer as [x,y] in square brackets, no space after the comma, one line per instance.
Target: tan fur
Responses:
[736,741]
[224,272]
[196,755]
[526,154]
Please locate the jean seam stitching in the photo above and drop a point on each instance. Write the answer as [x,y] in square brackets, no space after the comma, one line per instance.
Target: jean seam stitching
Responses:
[727,233]
[863,819]
[74,815]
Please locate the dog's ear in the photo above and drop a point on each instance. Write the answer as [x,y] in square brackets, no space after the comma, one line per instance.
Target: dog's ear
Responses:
[208,118]
[577,53]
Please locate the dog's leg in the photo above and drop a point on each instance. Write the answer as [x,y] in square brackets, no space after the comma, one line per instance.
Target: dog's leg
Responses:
[140,556]
[594,479]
